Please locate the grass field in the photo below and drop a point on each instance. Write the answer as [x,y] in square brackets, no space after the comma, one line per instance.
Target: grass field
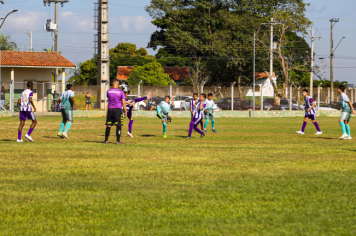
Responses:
[255,177]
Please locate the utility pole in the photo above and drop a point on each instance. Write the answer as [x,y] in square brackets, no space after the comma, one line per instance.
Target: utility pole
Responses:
[29,34]
[312,37]
[333,21]
[56,30]
[103,51]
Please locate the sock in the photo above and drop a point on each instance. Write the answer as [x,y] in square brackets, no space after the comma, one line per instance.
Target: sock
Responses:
[304,125]
[130,125]
[164,127]
[19,135]
[69,124]
[348,131]
[317,126]
[118,133]
[198,130]
[343,127]
[213,124]
[30,132]
[107,133]
[158,110]
[62,127]
[201,124]
[191,127]
[206,123]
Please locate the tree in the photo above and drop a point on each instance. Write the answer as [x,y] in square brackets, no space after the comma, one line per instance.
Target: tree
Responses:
[199,76]
[127,49]
[6,44]
[151,74]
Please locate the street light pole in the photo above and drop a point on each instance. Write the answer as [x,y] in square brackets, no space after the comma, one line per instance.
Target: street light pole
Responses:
[3,20]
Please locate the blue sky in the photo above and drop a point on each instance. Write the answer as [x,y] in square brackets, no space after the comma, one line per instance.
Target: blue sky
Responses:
[130,23]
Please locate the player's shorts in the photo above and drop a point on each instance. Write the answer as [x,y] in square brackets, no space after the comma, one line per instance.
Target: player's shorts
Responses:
[27,115]
[310,116]
[209,116]
[88,103]
[67,114]
[129,113]
[115,117]
[164,118]
[196,121]
[346,114]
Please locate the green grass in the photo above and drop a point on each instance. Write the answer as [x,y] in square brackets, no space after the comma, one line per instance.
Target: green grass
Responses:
[254,177]
[80,101]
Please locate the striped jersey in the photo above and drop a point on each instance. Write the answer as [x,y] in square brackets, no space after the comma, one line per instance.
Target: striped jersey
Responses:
[199,114]
[344,100]
[308,104]
[25,100]
[192,103]
[129,107]
[66,101]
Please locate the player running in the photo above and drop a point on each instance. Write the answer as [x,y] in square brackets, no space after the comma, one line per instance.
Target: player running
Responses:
[309,113]
[163,110]
[193,105]
[67,100]
[26,112]
[116,102]
[129,107]
[209,112]
[198,116]
[345,116]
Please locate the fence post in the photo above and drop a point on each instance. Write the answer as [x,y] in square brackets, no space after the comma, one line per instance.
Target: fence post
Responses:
[319,88]
[43,98]
[232,96]
[171,89]
[299,95]
[328,99]
[106,98]
[352,96]
[139,94]
[202,87]
[290,96]
[261,93]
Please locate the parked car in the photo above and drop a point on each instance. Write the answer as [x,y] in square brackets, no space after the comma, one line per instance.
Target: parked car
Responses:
[285,105]
[186,105]
[154,102]
[239,104]
[268,104]
[142,105]
[323,107]
[178,100]
[335,105]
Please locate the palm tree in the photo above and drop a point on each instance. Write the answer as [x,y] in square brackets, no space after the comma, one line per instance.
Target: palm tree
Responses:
[6,44]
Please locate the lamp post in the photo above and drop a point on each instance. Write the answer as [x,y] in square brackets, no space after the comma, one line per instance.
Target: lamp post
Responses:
[3,20]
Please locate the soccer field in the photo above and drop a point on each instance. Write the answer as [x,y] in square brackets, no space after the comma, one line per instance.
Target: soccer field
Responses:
[255,176]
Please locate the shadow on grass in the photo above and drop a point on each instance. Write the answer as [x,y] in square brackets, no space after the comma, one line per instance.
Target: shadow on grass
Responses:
[51,137]
[8,140]
[92,141]
[350,150]
[148,135]
[324,138]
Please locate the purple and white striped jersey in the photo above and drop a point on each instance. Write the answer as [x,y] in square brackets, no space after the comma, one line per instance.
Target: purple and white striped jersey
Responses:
[192,102]
[308,103]
[199,114]
[25,100]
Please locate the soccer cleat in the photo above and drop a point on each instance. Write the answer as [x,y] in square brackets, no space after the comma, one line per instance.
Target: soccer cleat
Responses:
[319,133]
[159,116]
[129,134]
[348,137]
[215,131]
[189,136]
[65,135]
[204,131]
[119,142]
[164,136]
[60,135]
[29,138]
[343,136]
[105,142]
[20,141]
[300,132]
[149,96]
[202,135]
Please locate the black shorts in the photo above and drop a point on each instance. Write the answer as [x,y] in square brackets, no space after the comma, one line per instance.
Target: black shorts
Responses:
[115,117]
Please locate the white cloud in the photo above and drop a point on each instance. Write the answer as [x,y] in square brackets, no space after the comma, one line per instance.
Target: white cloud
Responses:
[132,24]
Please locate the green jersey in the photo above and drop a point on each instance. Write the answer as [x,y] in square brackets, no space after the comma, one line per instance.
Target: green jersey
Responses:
[165,108]
[66,100]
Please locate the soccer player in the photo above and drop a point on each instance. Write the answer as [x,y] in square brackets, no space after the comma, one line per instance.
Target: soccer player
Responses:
[26,112]
[67,100]
[345,116]
[209,113]
[193,105]
[309,113]
[163,110]
[116,102]
[129,107]
[198,116]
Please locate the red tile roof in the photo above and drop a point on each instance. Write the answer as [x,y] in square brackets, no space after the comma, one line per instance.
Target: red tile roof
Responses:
[175,73]
[34,59]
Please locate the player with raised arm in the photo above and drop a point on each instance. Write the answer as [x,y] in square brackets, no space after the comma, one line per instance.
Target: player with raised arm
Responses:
[26,112]
[193,105]
[163,110]
[209,112]
[309,113]
[67,100]
[116,102]
[129,107]
[347,110]
[198,116]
